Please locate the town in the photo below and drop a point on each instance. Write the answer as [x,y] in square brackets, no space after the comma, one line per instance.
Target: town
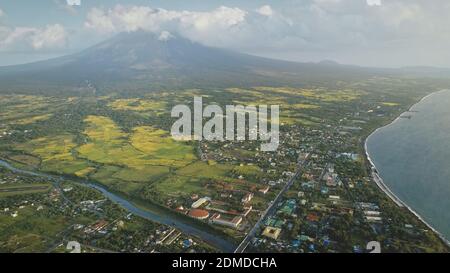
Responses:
[316,193]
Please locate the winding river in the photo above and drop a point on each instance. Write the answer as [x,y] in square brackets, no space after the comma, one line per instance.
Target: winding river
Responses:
[153,214]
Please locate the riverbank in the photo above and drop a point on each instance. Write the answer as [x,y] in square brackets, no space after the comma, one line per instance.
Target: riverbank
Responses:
[375,175]
[156,214]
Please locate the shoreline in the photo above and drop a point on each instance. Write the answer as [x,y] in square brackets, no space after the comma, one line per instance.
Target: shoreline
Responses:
[375,175]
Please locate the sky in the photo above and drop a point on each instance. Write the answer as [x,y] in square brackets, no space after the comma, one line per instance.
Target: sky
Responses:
[379,33]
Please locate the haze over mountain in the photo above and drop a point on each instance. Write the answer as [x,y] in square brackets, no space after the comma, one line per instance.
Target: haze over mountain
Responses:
[143,61]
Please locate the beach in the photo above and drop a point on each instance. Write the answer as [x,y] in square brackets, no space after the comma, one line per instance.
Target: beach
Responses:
[378,179]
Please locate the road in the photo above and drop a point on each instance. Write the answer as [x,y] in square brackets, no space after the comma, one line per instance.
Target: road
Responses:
[152,213]
[270,210]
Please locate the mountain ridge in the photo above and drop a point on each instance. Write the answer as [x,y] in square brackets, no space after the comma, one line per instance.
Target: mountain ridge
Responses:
[142,61]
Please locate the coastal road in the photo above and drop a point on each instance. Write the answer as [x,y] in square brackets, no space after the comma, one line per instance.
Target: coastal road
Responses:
[270,210]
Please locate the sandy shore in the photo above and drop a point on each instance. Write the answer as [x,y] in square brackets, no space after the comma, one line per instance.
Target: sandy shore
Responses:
[380,183]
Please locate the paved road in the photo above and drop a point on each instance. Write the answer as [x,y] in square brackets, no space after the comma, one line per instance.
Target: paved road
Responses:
[269,211]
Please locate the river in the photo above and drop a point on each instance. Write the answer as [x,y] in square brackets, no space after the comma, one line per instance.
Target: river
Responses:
[153,214]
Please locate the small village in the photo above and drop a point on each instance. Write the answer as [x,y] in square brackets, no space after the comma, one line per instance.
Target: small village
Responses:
[333,206]
[83,215]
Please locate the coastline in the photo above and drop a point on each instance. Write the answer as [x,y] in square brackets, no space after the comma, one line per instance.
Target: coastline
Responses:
[382,185]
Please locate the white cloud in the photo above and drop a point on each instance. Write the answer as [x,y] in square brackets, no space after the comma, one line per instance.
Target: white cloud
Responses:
[26,38]
[374,2]
[53,36]
[132,18]
[11,36]
[73,2]
[70,6]
[201,26]
[165,36]
[350,31]
[98,20]
[265,10]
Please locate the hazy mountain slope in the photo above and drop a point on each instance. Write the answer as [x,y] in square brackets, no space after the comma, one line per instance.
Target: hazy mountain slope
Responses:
[141,61]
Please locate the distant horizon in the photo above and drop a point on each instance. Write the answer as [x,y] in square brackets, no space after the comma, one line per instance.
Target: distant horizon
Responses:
[367,33]
[33,57]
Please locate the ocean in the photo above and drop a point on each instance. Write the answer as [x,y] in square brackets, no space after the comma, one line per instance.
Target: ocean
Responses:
[412,156]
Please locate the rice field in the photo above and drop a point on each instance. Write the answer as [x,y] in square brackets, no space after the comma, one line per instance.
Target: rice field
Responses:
[138,105]
[129,159]
[25,109]
[125,161]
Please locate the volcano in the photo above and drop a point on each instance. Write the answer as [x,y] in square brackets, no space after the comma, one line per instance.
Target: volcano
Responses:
[144,61]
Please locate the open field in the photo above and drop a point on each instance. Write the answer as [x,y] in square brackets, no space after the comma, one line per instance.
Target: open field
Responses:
[134,158]
[25,109]
[108,144]
[125,161]
[12,190]
[124,144]
[160,145]
[248,170]
[17,236]
[106,148]
[139,105]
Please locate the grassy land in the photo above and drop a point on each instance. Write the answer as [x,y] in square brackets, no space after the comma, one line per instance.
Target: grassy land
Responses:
[122,160]
[133,158]
[12,190]
[139,105]
[124,143]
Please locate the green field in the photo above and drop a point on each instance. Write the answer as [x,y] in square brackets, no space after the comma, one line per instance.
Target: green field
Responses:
[20,189]
[125,161]
[128,158]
